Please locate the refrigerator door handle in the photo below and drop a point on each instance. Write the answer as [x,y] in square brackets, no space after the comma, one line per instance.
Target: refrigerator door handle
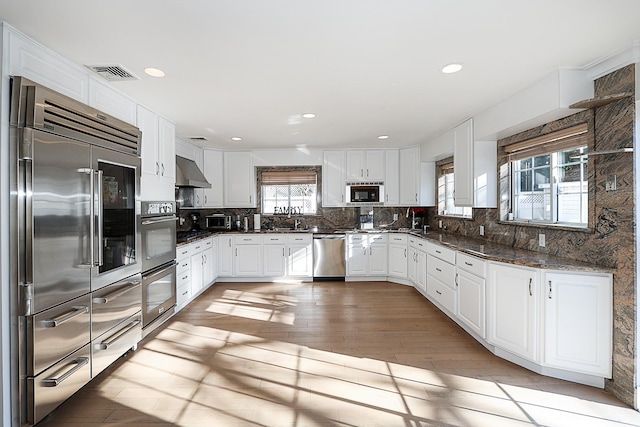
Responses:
[25,230]
[98,218]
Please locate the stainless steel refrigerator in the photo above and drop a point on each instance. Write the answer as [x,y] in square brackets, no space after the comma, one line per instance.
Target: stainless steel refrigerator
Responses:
[74,183]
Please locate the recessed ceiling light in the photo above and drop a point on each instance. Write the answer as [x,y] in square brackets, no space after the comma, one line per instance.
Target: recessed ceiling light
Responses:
[383,136]
[236,138]
[452,68]
[309,115]
[154,72]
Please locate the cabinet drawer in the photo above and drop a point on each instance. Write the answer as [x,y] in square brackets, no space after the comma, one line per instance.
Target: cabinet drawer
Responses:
[418,243]
[441,270]
[183,265]
[397,239]
[58,383]
[444,295]
[299,239]
[57,332]
[114,304]
[183,252]
[378,238]
[109,347]
[183,294]
[274,239]
[445,254]
[247,240]
[355,239]
[182,278]
[471,264]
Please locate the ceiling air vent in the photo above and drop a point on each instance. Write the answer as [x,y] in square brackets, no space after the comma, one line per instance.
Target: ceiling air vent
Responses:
[113,72]
[198,138]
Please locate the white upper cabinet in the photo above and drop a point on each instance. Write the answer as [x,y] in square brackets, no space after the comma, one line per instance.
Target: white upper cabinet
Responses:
[475,166]
[107,99]
[365,165]
[463,163]
[212,167]
[392,178]
[333,179]
[35,62]
[239,180]
[409,176]
[158,177]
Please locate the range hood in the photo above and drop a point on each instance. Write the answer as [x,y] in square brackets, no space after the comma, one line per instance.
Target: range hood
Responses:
[188,174]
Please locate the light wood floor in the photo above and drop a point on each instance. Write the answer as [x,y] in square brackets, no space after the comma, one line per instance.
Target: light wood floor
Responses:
[325,354]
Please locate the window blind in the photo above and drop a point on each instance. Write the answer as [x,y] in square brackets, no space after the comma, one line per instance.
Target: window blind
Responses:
[562,140]
[288,178]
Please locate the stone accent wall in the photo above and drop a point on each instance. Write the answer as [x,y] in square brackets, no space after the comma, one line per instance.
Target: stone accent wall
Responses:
[610,238]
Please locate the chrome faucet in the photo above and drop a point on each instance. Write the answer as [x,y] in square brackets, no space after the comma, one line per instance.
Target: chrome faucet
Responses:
[296,223]
[413,217]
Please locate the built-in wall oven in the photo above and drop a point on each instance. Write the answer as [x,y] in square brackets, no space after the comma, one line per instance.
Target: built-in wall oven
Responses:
[158,236]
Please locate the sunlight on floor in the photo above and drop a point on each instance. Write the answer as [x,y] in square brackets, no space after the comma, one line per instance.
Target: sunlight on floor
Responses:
[255,306]
[241,379]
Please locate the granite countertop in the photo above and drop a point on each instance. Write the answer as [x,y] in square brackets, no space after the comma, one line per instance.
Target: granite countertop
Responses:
[479,248]
[507,254]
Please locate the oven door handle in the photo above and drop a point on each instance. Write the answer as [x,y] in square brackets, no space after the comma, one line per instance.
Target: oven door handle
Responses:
[158,221]
[162,271]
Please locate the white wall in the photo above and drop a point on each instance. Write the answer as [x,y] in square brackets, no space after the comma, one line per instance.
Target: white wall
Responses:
[5,318]
[294,157]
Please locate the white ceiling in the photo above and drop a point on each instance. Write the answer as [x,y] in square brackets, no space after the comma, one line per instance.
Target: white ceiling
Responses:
[249,68]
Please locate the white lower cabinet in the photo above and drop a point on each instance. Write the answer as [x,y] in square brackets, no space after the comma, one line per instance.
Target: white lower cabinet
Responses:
[202,265]
[225,255]
[247,261]
[398,255]
[417,263]
[367,254]
[183,276]
[470,285]
[578,322]
[441,276]
[299,255]
[513,301]
[274,251]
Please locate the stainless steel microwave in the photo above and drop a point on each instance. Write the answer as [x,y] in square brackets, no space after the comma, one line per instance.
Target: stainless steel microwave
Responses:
[218,222]
[365,193]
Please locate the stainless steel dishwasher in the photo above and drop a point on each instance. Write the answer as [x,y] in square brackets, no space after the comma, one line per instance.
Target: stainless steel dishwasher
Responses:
[328,256]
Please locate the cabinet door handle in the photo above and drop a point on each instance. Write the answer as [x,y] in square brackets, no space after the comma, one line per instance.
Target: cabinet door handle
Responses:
[282,251]
[236,251]
[405,253]
[457,280]
[163,169]
[468,263]
[250,199]
[530,290]
[438,292]
[550,289]
[416,197]
[361,172]
[229,242]
[157,168]
[438,270]
[205,199]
